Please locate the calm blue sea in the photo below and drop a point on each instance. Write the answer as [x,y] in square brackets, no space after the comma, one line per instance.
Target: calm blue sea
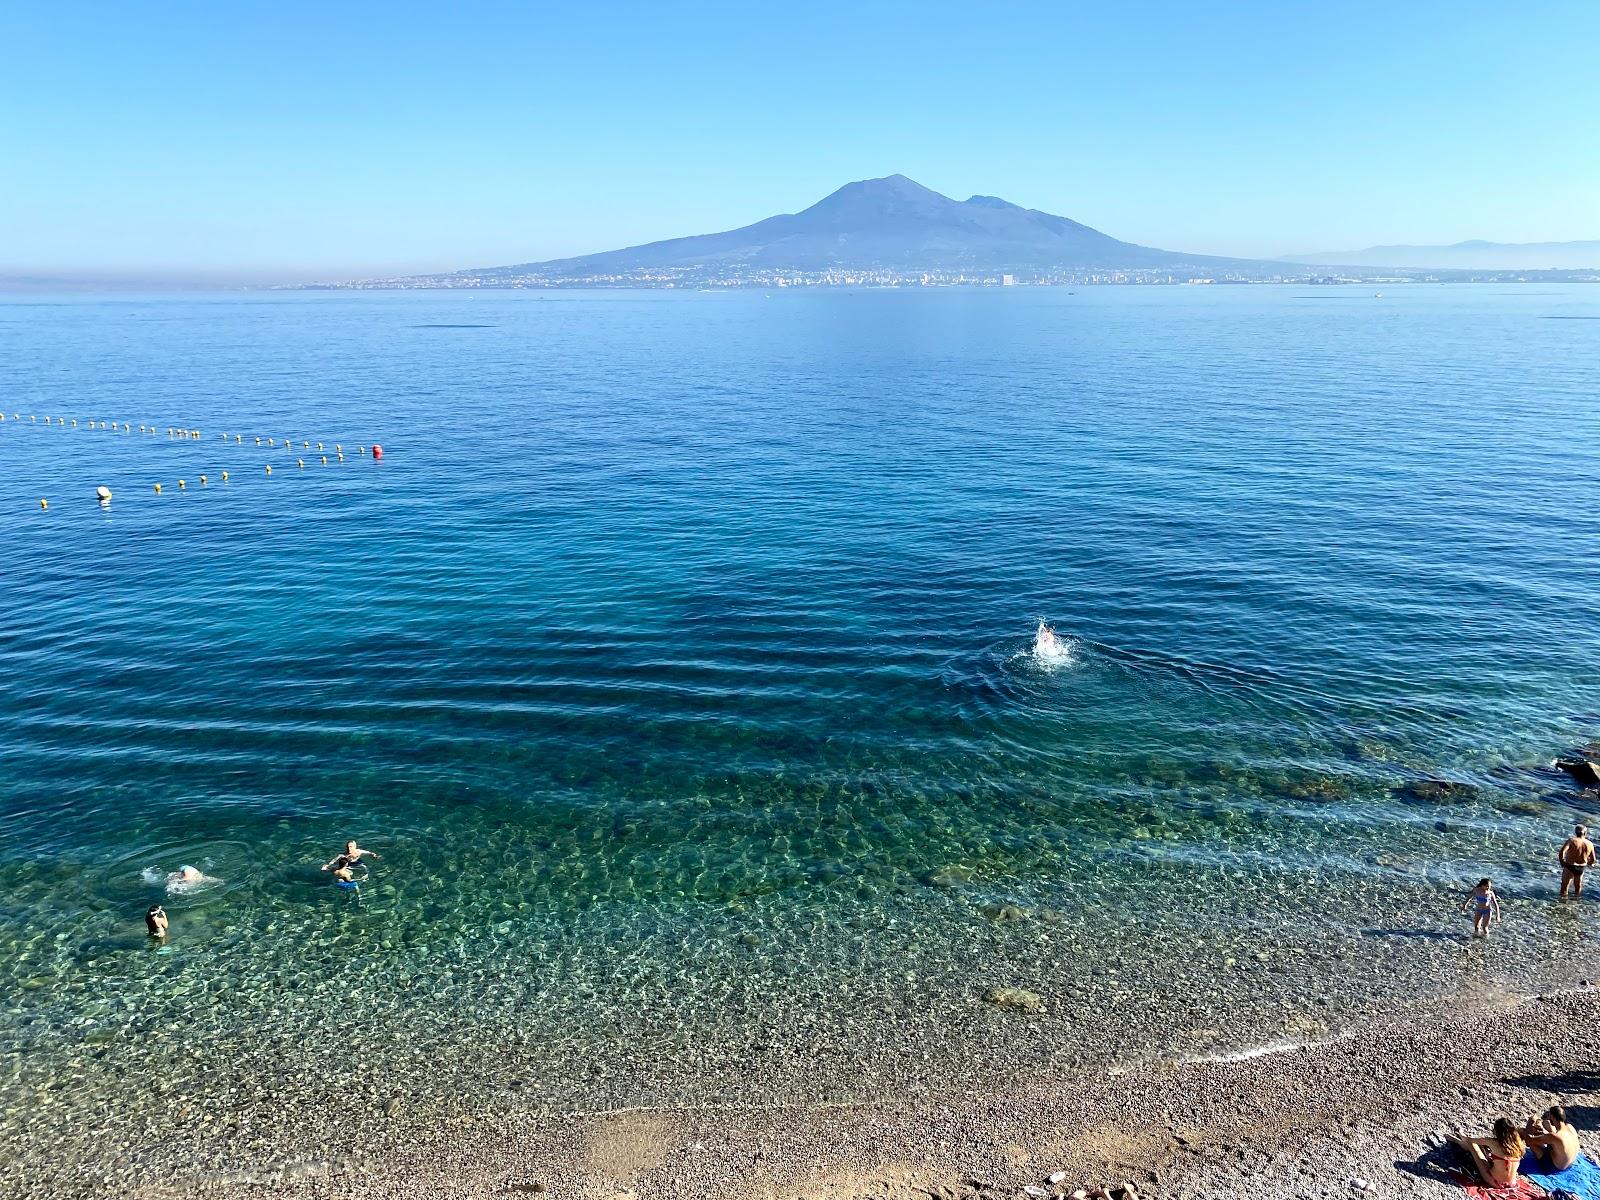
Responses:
[676,659]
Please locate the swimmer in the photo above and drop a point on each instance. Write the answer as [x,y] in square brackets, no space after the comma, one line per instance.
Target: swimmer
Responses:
[1046,644]
[1485,907]
[344,877]
[155,921]
[352,855]
[186,879]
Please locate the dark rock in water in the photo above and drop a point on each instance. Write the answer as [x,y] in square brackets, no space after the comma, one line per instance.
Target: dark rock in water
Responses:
[1435,791]
[750,939]
[1584,772]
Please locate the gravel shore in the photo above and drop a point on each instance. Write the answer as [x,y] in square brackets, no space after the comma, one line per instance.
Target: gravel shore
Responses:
[1297,1122]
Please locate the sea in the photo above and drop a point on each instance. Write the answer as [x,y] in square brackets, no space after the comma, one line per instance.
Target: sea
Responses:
[677,658]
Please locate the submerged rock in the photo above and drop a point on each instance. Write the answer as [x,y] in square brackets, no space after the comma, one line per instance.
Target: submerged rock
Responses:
[1004,912]
[1435,791]
[948,877]
[1585,773]
[1017,999]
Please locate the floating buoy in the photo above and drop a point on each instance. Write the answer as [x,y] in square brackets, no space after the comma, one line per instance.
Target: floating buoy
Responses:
[126,428]
[301,463]
[224,477]
[258,441]
[338,448]
[269,468]
[182,485]
[361,450]
[341,458]
[377,451]
[74,422]
[237,439]
[158,489]
[319,445]
[324,460]
[103,493]
[61,420]
[202,481]
[44,504]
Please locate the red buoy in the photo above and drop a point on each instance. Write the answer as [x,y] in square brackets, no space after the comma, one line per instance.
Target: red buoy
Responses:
[377,451]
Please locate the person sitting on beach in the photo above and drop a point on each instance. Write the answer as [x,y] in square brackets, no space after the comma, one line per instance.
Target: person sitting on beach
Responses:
[1553,1139]
[155,921]
[1576,853]
[1496,1159]
[1485,906]
[352,855]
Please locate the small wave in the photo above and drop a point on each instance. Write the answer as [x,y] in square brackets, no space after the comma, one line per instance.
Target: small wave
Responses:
[177,883]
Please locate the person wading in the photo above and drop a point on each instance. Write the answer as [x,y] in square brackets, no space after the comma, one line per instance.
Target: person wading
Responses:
[1576,853]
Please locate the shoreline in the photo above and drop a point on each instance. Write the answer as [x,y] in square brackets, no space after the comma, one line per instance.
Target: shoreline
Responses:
[1297,1121]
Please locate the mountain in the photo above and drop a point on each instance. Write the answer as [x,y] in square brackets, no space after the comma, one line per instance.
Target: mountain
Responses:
[1466,256]
[892,224]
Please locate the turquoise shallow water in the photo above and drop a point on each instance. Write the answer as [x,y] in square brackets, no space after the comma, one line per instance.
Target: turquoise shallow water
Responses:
[675,659]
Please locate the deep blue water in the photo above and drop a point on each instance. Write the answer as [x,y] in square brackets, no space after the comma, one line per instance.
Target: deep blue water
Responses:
[679,640]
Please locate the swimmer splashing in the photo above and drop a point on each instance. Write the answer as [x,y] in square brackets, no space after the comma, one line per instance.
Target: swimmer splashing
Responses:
[1047,647]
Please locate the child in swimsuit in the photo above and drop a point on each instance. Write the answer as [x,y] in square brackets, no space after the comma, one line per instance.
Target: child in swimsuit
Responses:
[1485,906]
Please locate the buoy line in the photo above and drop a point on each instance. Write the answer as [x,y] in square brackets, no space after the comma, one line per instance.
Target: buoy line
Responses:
[103,494]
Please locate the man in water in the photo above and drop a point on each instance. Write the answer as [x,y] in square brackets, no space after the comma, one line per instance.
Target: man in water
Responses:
[341,864]
[1576,853]
[1045,642]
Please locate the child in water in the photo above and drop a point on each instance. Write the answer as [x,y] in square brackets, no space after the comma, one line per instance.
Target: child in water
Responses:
[155,922]
[1485,906]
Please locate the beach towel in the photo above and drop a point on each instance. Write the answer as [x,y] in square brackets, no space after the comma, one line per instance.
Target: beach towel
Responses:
[1581,1180]
[1521,1190]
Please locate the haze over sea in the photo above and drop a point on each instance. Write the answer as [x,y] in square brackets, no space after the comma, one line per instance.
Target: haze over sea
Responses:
[675,658]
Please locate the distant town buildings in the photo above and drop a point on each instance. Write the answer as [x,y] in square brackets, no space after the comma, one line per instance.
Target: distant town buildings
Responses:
[720,277]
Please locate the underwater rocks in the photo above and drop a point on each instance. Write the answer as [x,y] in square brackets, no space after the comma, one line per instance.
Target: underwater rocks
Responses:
[1004,912]
[1435,791]
[948,877]
[1016,999]
[1582,769]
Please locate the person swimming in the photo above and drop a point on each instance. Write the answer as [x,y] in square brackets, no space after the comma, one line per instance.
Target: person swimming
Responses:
[352,856]
[184,879]
[1046,645]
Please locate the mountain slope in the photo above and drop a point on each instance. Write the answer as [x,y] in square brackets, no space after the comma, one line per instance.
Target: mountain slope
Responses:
[893,223]
[1467,256]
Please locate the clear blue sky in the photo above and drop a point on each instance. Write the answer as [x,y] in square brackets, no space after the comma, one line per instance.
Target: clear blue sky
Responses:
[298,139]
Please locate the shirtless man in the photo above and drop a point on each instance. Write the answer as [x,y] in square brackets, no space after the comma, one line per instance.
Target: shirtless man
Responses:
[1576,853]
[340,864]
[1553,1139]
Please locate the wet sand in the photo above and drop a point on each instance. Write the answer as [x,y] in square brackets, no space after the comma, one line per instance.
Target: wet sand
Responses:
[1289,1123]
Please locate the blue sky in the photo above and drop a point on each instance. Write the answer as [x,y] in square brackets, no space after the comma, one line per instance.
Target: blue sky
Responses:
[319,140]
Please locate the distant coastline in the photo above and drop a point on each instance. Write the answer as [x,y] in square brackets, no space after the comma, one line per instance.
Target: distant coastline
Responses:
[696,281]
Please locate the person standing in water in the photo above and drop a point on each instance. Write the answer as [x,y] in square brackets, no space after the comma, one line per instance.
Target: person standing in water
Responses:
[155,922]
[351,856]
[1485,906]
[1576,853]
